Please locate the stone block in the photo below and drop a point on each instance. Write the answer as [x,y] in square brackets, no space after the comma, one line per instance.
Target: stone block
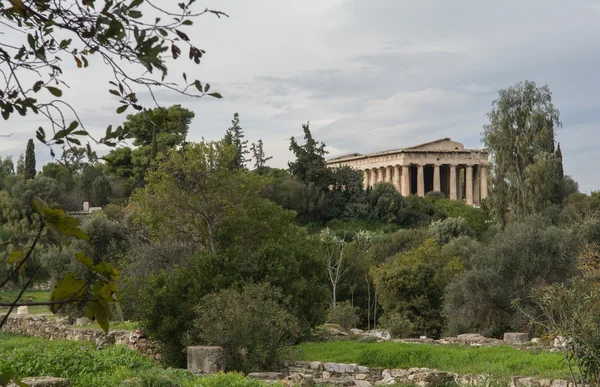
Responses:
[326,374]
[361,376]
[362,383]
[315,365]
[22,310]
[536,340]
[515,338]
[82,321]
[205,359]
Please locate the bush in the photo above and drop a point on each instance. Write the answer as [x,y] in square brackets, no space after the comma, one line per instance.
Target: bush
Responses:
[475,217]
[251,324]
[388,245]
[397,325]
[525,255]
[344,314]
[445,230]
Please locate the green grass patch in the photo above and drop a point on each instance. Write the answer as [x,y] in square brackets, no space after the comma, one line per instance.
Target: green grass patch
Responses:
[498,361]
[86,366]
[29,296]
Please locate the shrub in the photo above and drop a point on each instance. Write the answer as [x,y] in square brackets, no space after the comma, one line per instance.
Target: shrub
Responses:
[475,217]
[251,324]
[397,325]
[445,230]
[344,314]
[506,268]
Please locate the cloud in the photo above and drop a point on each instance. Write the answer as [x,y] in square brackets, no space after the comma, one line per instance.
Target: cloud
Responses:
[375,75]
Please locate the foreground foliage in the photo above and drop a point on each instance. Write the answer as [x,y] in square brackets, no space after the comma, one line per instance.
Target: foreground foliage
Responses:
[85,366]
[496,361]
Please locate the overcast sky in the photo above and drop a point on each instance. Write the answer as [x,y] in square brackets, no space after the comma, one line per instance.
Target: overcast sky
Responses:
[374,75]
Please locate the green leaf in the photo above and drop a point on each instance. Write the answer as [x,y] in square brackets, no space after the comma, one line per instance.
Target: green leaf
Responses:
[37,86]
[68,288]
[15,256]
[72,126]
[187,22]
[207,87]
[135,3]
[39,205]
[122,108]
[135,14]
[107,269]
[54,91]
[81,257]
[216,95]
[198,85]
[96,311]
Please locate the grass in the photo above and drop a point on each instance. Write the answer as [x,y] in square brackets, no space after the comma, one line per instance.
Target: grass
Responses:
[86,366]
[29,296]
[498,361]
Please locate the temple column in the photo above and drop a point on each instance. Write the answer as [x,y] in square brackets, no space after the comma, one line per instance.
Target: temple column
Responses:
[484,186]
[436,178]
[365,178]
[397,178]
[459,183]
[453,184]
[469,185]
[382,176]
[476,185]
[420,181]
[373,176]
[405,180]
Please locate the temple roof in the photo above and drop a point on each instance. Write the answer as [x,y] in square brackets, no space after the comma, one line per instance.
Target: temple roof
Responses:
[440,145]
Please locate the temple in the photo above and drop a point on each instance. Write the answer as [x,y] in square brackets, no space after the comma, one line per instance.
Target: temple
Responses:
[442,165]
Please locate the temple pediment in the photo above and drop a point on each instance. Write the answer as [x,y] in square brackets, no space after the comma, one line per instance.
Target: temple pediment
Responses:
[442,144]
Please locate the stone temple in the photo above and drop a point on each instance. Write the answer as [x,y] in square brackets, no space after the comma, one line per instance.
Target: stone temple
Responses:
[441,165]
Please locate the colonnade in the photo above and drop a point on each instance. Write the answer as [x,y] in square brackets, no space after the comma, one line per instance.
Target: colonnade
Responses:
[457,181]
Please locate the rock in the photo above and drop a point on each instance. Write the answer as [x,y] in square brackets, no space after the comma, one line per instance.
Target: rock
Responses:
[385,382]
[356,332]
[362,383]
[363,369]
[431,378]
[22,310]
[473,338]
[326,374]
[560,383]
[266,375]
[64,320]
[559,342]
[525,382]
[515,338]
[44,381]
[335,382]
[205,359]
[82,321]
[361,376]
[315,365]
[536,340]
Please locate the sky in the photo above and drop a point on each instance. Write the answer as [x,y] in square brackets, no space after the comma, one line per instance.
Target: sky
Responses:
[370,75]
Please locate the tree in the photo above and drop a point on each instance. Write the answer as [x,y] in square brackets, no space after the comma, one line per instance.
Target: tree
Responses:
[7,169]
[115,33]
[520,139]
[387,203]
[235,136]
[21,166]
[526,254]
[260,159]
[309,166]
[30,160]
[153,131]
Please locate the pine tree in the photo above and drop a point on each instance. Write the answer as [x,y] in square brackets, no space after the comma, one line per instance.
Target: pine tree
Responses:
[30,171]
[557,185]
[259,157]
[235,136]
[309,166]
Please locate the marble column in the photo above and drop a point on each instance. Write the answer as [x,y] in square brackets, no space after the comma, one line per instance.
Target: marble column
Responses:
[365,178]
[484,186]
[459,183]
[469,185]
[397,178]
[405,180]
[476,185]
[373,176]
[436,178]
[382,175]
[420,181]
[453,185]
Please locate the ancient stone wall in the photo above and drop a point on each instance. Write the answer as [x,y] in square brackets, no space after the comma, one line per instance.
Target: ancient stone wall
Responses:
[40,326]
[317,373]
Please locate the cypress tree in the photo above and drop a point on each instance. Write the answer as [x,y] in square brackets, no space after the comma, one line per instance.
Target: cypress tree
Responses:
[30,171]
